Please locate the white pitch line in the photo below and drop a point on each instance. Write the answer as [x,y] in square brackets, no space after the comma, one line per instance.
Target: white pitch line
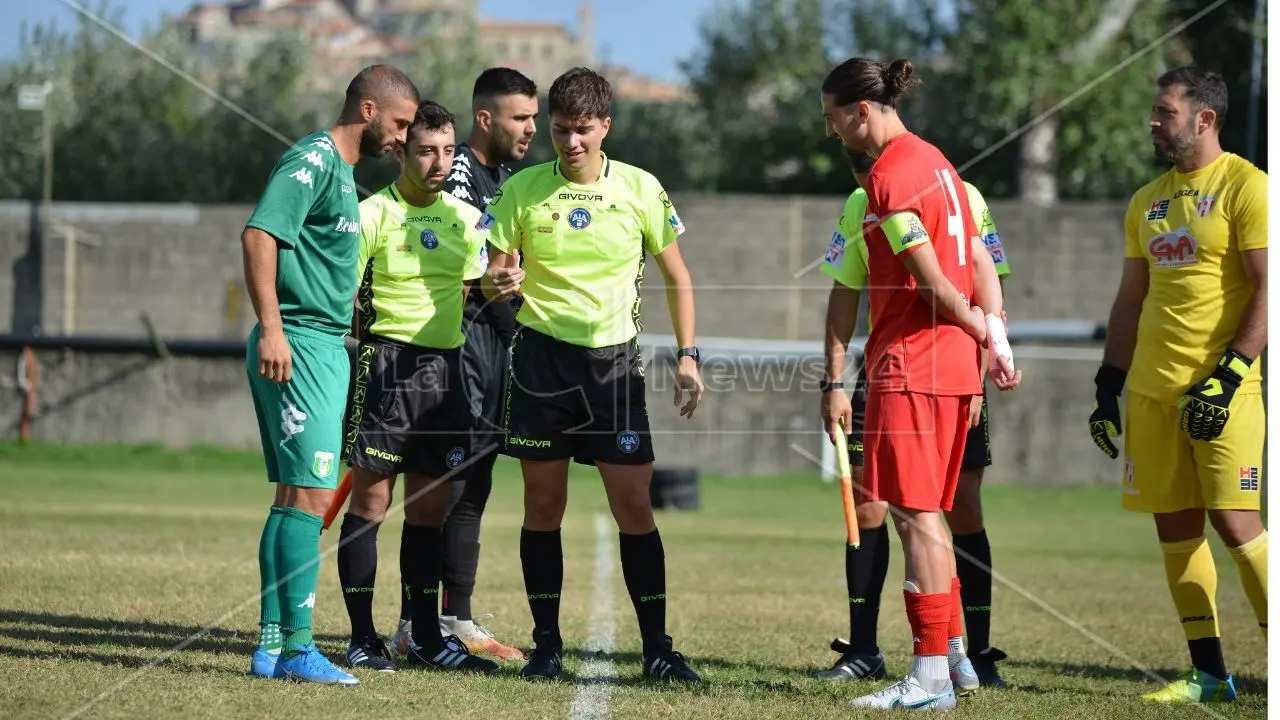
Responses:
[595,680]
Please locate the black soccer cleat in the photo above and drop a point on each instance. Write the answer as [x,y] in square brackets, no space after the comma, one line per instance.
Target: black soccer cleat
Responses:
[369,654]
[667,664]
[854,666]
[546,662]
[450,654]
[984,664]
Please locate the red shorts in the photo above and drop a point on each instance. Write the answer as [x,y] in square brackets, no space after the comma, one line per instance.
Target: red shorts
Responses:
[914,445]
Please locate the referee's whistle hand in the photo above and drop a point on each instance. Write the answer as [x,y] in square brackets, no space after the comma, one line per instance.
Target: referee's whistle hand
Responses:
[688,380]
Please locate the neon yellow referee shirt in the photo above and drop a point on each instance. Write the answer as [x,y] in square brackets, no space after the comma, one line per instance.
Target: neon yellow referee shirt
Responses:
[582,247]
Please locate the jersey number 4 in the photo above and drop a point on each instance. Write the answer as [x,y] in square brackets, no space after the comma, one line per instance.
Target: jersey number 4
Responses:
[955,220]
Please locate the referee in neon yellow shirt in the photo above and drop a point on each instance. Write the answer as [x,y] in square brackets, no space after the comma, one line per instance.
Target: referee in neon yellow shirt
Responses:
[583,225]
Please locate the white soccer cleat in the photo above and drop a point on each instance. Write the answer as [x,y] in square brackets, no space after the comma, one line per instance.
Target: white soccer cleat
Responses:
[964,679]
[399,640]
[907,694]
[477,638]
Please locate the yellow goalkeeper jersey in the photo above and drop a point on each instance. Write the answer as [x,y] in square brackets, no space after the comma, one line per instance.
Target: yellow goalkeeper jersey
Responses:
[1191,228]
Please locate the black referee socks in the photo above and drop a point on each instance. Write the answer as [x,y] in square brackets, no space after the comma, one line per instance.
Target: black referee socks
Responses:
[542,560]
[644,568]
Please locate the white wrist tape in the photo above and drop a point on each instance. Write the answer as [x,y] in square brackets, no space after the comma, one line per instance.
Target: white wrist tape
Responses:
[997,339]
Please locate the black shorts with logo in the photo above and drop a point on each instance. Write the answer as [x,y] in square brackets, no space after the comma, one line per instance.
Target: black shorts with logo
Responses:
[408,411]
[977,444]
[569,401]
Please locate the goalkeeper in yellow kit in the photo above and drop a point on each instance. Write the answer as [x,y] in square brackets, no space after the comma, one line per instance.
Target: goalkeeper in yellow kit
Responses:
[1186,329]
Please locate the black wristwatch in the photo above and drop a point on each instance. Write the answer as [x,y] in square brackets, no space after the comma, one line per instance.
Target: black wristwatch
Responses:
[825,385]
[690,352]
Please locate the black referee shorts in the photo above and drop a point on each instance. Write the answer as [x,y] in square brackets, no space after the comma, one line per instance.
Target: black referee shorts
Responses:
[567,401]
[408,411]
[977,444]
[485,364]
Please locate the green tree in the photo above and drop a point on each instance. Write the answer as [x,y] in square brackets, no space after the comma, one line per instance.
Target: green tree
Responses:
[1069,83]
[757,78]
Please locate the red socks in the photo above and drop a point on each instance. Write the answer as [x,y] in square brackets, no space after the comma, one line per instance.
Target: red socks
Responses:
[931,619]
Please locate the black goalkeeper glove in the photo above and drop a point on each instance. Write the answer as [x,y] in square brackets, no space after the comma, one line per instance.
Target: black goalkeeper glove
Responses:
[1104,421]
[1205,407]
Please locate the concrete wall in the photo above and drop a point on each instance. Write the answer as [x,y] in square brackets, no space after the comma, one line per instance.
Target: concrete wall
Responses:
[180,266]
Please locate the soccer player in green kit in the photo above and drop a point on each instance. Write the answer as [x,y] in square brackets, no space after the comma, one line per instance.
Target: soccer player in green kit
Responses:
[583,225]
[300,262]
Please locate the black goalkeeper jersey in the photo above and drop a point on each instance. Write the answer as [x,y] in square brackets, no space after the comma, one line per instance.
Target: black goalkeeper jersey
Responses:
[476,183]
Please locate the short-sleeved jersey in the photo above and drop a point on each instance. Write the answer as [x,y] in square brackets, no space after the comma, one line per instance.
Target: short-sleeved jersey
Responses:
[846,257]
[310,207]
[583,247]
[474,183]
[912,348]
[413,262]
[1191,228]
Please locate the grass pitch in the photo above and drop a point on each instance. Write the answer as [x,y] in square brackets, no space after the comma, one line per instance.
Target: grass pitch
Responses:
[112,557]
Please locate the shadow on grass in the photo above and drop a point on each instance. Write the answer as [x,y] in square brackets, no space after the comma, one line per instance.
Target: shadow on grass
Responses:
[1244,684]
[80,631]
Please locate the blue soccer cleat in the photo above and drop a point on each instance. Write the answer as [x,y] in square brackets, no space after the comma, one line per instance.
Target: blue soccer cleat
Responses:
[310,665]
[266,665]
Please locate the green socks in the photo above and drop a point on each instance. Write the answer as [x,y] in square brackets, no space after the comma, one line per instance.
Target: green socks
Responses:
[297,566]
[269,636]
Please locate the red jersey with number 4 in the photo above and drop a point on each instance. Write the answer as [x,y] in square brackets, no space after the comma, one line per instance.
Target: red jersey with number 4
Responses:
[912,347]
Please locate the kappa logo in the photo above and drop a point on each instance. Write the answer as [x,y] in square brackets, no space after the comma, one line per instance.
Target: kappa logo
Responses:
[291,422]
[1173,249]
[303,176]
[460,192]
[314,158]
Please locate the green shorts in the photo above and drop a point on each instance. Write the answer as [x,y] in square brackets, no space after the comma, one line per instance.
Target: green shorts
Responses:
[301,421]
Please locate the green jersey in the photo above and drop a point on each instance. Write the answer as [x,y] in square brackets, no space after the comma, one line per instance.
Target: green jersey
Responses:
[846,258]
[310,207]
[583,247]
[413,261]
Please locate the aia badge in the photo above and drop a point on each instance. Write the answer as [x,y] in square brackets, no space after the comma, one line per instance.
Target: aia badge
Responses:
[1205,206]
[579,218]
[1159,210]
[1173,249]
[1248,478]
[429,240]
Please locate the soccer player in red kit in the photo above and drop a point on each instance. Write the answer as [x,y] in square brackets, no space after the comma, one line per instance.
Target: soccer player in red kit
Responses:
[922,359]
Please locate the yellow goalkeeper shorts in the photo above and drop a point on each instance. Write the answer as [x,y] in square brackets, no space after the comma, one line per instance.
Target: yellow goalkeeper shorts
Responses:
[1166,471]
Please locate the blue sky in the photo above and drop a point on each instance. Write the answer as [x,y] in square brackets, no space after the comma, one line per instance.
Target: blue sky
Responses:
[649,36]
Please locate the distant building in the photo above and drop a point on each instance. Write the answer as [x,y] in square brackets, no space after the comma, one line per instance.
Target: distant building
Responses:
[351,34]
